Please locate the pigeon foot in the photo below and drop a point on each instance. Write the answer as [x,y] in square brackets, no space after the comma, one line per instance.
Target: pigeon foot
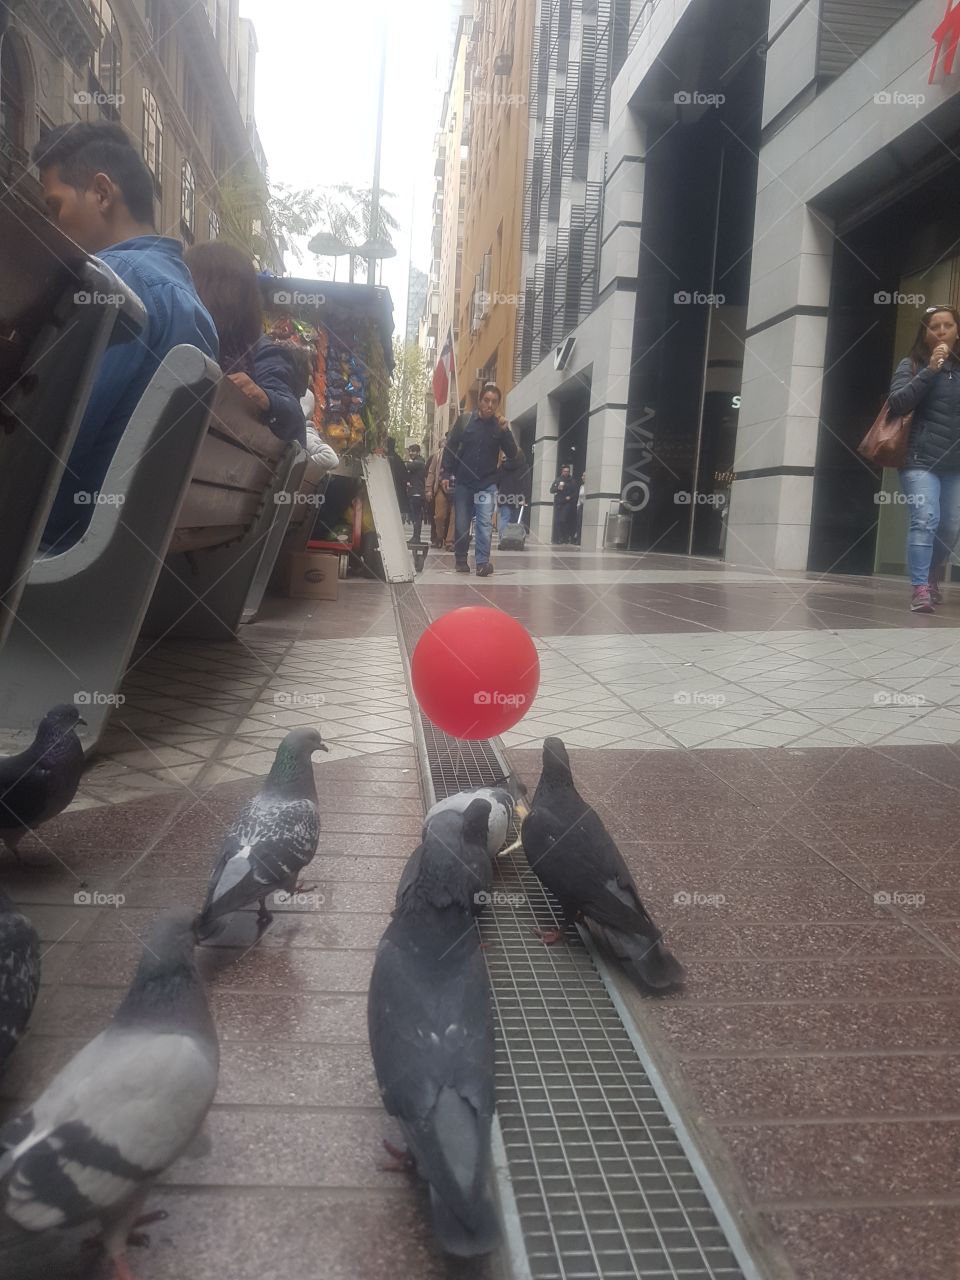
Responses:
[120,1269]
[158,1215]
[263,915]
[548,936]
[304,888]
[401,1160]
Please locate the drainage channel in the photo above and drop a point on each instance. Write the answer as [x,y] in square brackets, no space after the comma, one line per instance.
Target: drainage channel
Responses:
[596,1182]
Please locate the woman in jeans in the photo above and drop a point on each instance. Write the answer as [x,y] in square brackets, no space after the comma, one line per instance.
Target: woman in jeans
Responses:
[928,382]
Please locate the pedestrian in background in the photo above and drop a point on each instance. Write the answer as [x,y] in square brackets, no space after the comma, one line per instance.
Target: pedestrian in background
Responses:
[416,488]
[438,500]
[582,497]
[927,382]
[511,481]
[564,490]
[399,477]
[470,468]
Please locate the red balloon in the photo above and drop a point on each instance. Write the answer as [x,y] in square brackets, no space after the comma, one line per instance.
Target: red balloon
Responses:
[475,672]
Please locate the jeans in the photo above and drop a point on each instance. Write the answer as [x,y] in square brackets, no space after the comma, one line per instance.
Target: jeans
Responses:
[467,506]
[510,512]
[934,519]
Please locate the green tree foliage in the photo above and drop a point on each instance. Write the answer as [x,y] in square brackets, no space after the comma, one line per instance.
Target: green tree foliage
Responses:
[408,391]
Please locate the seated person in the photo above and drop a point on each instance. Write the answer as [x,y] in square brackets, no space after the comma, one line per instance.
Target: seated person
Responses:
[266,371]
[100,193]
[318,449]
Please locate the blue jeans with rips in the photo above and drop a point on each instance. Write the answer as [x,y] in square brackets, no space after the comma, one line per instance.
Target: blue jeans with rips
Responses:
[934,519]
[469,505]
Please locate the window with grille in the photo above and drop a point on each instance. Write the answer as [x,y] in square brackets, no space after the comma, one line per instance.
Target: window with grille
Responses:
[152,137]
[105,62]
[213,226]
[188,200]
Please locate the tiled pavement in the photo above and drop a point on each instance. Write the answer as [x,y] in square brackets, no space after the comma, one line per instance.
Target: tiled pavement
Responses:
[777,758]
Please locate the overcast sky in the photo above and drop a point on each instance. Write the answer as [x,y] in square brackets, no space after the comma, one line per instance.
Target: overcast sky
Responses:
[316,104]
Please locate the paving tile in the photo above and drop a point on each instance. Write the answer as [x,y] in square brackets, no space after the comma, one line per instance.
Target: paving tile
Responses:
[890,1242]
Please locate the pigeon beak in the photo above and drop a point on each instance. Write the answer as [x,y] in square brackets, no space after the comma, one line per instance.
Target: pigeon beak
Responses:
[522,810]
[323,747]
[80,720]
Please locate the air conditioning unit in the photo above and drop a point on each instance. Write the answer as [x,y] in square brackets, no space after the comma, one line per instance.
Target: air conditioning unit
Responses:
[503,63]
[480,375]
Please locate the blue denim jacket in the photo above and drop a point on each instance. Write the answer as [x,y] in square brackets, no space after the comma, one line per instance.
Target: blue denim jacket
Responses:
[154,269]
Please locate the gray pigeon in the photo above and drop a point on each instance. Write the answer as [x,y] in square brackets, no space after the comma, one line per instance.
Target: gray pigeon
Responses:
[464,835]
[40,782]
[273,839]
[431,1036]
[19,974]
[121,1111]
[502,802]
[573,854]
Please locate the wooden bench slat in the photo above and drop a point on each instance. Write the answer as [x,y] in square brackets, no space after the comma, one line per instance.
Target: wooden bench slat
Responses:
[235,416]
[206,506]
[223,463]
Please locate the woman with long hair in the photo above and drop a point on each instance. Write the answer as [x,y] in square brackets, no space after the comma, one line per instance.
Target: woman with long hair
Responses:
[927,382]
[266,371]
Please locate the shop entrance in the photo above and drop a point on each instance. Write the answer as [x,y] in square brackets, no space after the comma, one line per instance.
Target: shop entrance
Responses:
[694,277]
[886,269]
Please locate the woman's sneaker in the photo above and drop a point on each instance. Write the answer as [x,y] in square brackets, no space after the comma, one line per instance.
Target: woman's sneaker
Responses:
[920,601]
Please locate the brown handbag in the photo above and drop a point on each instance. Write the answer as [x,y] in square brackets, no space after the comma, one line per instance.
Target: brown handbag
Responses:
[886,443]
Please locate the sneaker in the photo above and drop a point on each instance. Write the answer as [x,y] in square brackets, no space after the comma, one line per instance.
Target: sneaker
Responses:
[484,570]
[920,601]
[935,583]
[462,566]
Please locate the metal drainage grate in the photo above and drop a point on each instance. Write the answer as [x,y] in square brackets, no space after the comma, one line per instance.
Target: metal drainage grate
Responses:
[603,1187]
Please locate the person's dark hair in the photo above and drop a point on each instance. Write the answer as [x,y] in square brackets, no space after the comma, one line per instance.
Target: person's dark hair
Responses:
[227,284]
[301,367]
[920,352]
[490,386]
[415,448]
[81,151]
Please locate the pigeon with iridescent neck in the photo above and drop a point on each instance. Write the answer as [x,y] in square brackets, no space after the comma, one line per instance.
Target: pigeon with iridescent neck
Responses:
[123,1109]
[40,782]
[272,841]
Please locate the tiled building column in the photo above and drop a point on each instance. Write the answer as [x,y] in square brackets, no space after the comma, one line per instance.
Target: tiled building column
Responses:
[776,450]
[544,469]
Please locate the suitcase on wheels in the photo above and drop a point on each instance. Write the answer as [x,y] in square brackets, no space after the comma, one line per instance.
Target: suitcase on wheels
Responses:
[513,537]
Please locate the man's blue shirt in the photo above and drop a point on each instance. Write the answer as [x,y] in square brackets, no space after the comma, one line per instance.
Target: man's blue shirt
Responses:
[154,269]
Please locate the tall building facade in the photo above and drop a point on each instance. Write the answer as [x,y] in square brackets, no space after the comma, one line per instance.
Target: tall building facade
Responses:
[176,75]
[498,74]
[448,209]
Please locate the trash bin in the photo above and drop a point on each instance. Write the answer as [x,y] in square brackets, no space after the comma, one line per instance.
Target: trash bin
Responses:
[616,530]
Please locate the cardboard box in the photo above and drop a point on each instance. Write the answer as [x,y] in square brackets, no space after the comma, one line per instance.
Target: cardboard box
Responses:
[312,575]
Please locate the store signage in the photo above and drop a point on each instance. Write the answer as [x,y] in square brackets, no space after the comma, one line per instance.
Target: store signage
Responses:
[946,39]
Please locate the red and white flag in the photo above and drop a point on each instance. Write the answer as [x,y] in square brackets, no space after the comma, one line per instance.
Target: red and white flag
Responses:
[444,375]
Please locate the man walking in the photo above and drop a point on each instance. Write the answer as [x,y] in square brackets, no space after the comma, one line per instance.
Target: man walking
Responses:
[564,490]
[438,496]
[416,488]
[470,464]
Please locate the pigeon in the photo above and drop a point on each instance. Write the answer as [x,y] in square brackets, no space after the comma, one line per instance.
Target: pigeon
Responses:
[273,839]
[19,974]
[465,837]
[431,1035]
[573,854]
[120,1112]
[503,800]
[40,782]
